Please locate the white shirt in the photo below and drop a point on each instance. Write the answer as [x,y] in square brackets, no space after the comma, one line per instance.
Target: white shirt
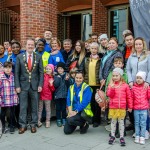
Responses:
[28,57]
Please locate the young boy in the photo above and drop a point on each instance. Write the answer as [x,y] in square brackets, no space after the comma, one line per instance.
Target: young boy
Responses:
[8,96]
[72,73]
[61,84]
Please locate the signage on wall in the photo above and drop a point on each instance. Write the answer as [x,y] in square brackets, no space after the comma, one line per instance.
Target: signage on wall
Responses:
[140,11]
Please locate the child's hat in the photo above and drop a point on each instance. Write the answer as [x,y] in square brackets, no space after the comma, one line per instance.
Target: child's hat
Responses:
[118,70]
[51,65]
[61,64]
[141,74]
[103,36]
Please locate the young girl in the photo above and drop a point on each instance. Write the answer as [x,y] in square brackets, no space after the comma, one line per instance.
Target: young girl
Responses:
[141,97]
[119,97]
[46,95]
[8,96]
[72,74]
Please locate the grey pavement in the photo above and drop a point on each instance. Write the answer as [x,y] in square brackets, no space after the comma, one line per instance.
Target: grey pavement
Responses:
[53,138]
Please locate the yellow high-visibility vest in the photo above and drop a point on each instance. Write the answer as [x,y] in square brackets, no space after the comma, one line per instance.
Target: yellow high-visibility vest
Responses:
[87,110]
[45,58]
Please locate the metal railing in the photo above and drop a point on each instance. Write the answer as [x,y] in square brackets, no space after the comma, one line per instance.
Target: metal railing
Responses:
[4,27]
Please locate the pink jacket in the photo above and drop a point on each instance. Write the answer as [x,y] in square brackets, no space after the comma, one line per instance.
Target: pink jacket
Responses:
[47,90]
[141,97]
[119,97]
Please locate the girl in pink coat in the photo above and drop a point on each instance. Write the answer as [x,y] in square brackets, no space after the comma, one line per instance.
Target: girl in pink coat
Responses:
[46,95]
[141,96]
[119,98]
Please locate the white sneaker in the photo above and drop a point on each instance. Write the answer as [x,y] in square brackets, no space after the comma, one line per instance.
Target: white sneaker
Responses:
[133,135]
[146,135]
[142,140]
[137,139]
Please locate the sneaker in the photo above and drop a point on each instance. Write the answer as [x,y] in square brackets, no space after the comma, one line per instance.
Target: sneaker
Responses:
[47,124]
[142,140]
[122,142]
[95,124]
[63,122]
[4,130]
[146,135]
[39,124]
[84,129]
[137,139]
[59,124]
[12,130]
[111,140]
[133,135]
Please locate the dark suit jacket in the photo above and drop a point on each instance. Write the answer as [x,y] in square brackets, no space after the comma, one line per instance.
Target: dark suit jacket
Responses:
[22,75]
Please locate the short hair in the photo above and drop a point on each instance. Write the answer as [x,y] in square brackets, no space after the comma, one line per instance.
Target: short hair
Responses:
[118,59]
[7,64]
[7,41]
[30,39]
[67,40]
[128,34]
[114,38]
[94,44]
[125,32]
[48,30]
[79,72]
[16,43]
[94,34]
[73,70]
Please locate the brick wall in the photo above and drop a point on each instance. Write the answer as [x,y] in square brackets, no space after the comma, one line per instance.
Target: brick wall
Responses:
[99,17]
[36,17]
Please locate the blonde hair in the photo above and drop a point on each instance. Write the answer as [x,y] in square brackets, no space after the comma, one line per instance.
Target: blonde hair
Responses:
[94,44]
[82,53]
[145,51]
[57,40]
[73,70]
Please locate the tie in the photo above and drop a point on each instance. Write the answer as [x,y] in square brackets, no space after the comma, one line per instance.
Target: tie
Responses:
[29,63]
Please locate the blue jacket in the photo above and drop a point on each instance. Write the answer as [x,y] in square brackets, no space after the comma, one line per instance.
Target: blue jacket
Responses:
[54,59]
[87,95]
[47,48]
[4,59]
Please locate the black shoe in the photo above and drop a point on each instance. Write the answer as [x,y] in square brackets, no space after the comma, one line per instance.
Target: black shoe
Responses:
[84,128]
[122,142]
[129,127]
[4,130]
[12,130]
[111,140]
[95,124]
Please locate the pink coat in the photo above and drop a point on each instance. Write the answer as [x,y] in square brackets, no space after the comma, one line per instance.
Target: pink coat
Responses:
[120,97]
[141,97]
[47,90]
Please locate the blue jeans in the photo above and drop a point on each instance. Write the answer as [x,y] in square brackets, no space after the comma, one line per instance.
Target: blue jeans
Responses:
[140,117]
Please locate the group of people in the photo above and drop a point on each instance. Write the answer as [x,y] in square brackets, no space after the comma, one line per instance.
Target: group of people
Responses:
[45,72]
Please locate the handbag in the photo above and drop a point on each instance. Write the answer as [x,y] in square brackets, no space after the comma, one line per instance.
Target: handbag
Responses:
[100,98]
[73,64]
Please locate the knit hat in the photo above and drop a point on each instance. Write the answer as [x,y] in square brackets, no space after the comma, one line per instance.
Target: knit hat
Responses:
[141,74]
[61,64]
[103,36]
[51,66]
[118,70]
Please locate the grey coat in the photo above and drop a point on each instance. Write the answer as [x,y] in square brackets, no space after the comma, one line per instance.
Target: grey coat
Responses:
[134,65]
[22,75]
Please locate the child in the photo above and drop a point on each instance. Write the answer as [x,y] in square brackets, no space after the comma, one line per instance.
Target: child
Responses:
[61,83]
[8,96]
[119,97]
[72,73]
[141,97]
[46,95]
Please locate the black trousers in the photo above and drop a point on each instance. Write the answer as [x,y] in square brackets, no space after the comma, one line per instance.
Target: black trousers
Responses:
[61,108]
[95,107]
[11,113]
[73,122]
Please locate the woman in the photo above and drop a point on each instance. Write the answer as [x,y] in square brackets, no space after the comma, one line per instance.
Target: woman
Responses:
[77,58]
[55,55]
[92,65]
[78,102]
[139,60]
[108,59]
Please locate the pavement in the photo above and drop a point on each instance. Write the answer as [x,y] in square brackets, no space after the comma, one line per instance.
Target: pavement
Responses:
[53,138]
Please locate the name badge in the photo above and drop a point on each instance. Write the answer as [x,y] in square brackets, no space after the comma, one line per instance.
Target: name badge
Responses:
[57,59]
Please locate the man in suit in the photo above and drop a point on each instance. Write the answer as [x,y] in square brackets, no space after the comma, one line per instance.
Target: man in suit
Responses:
[28,82]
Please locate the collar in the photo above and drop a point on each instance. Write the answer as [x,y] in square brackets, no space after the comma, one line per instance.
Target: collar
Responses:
[29,54]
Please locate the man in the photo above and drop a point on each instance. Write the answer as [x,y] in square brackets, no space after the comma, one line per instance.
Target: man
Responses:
[7,47]
[67,51]
[28,81]
[47,37]
[3,57]
[94,37]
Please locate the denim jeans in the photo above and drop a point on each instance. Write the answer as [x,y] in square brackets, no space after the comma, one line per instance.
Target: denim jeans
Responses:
[140,117]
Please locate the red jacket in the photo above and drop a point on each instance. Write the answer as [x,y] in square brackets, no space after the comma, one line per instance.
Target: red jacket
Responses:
[140,97]
[47,90]
[119,97]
